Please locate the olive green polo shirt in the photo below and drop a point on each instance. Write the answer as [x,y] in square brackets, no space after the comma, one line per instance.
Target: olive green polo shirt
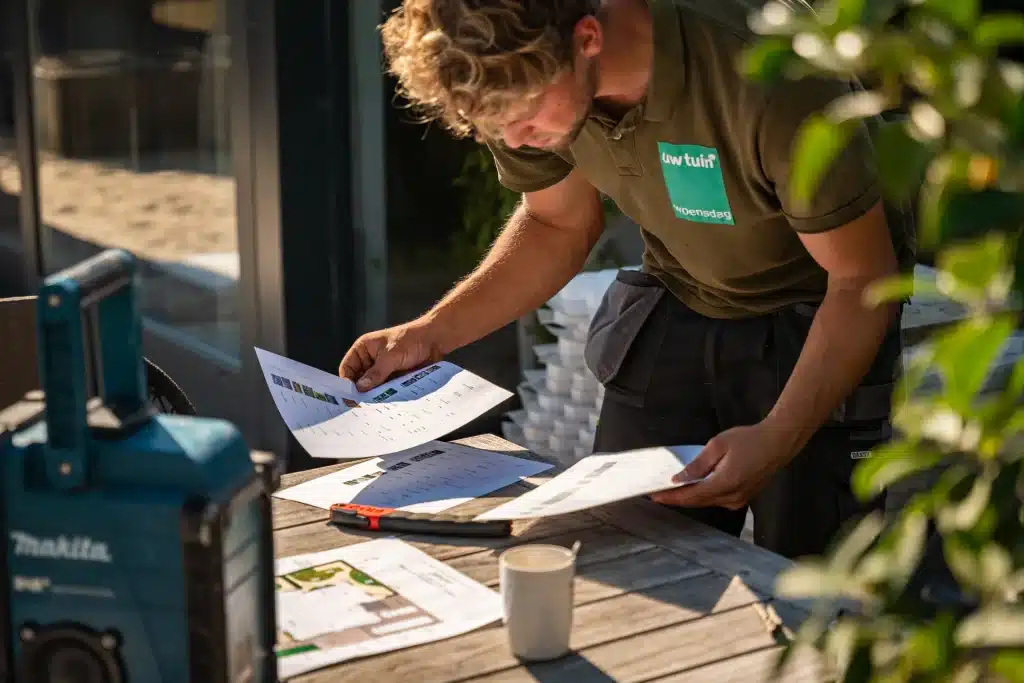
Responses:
[703,166]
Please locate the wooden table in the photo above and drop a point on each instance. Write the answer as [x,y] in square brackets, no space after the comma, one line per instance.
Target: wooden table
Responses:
[658,598]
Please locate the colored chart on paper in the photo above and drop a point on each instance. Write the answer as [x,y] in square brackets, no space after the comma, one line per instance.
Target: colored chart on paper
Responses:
[332,419]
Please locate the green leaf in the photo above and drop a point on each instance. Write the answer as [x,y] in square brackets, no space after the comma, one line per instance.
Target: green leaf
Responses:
[995,565]
[857,105]
[1008,664]
[809,580]
[890,54]
[954,484]
[915,369]
[889,464]
[1014,426]
[923,418]
[999,28]
[965,354]
[973,264]
[993,626]
[896,288]
[908,548]
[931,207]
[930,646]
[855,543]
[847,13]
[819,142]
[960,13]
[766,60]
[961,557]
[966,513]
[840,642]
[902,160]
[966,671]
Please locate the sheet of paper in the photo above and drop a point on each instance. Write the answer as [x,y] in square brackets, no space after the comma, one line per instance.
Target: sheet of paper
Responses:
[332,419]
[600,479]
[427,479]
[369,598]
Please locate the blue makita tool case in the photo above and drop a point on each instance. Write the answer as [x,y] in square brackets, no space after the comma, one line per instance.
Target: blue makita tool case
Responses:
[139,545]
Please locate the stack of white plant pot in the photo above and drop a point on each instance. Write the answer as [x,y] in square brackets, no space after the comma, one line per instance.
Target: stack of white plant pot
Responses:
[562,399]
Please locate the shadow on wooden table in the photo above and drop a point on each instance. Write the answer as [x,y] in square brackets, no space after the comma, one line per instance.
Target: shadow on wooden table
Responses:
[583,670]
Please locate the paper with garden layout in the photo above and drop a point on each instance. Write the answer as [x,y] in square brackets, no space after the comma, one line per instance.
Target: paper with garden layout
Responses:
[600,479]
[370,598]
[333,419]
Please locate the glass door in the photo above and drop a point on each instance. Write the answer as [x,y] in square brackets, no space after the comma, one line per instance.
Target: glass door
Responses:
[136,110]
[13,254]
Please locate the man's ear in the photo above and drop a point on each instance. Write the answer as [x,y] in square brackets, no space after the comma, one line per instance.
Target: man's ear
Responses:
[588,37]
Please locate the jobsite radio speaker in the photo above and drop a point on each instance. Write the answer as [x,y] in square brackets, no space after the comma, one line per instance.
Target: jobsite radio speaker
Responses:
[139,545]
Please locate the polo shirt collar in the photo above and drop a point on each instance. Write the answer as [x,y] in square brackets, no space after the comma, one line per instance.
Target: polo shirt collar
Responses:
[667,73]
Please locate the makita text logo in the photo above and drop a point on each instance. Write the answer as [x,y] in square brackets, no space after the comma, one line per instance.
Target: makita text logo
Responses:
[691,160]
[80,548]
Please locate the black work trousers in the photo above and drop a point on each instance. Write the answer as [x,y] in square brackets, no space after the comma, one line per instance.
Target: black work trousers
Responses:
[674,377]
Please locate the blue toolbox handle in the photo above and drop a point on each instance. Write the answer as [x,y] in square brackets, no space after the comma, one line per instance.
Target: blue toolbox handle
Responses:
[90,336]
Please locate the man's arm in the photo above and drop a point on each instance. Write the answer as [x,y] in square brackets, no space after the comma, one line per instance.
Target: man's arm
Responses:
[843,227]
[844,339]
[544,245]
[845,335]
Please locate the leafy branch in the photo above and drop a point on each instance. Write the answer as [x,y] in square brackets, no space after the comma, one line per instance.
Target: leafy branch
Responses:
[957,145]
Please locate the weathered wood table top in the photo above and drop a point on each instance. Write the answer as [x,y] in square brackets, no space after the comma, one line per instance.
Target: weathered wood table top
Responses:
[658,598]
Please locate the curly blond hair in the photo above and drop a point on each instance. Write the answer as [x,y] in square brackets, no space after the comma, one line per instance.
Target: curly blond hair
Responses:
[470,63]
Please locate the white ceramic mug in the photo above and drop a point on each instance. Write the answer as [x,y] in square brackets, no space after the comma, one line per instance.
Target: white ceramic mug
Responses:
[537,592]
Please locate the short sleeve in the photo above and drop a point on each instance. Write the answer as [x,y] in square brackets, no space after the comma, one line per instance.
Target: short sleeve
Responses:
[526,169]
[849,187]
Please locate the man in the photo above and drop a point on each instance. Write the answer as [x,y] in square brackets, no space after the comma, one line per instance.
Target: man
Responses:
[745,329]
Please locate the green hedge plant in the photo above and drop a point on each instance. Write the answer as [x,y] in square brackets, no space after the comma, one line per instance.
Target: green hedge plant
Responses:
[956,150]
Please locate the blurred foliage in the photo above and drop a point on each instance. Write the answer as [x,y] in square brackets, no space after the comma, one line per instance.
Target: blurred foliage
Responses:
[487,205]
[956,147]
[485,208]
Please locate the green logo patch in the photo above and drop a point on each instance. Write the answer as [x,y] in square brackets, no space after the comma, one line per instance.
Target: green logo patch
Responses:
[693,178]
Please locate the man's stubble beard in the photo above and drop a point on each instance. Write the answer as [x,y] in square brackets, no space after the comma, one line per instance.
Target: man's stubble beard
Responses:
[589,91]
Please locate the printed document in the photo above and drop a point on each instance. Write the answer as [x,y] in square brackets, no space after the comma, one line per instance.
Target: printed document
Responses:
[427,480]
[370,598]
[600,479]
[332,419]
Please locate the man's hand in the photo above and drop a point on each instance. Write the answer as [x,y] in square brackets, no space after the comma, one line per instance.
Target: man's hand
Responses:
[740,460]
[377,355]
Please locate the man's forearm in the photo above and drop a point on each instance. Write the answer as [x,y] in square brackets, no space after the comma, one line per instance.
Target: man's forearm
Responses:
[834,360]
[527,265]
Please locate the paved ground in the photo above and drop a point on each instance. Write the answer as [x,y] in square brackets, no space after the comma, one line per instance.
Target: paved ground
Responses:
[160,216]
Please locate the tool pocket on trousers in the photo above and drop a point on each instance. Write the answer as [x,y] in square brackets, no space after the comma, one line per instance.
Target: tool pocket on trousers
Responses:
[853,444]
[624,338]
[870,404]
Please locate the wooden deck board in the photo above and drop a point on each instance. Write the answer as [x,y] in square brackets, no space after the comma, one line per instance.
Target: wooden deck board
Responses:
[804,667]
[652,654]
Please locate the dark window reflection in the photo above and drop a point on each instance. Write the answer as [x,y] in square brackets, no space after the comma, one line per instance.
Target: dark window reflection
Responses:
[11,249]
[435,239]
[132,131]
[434,235]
